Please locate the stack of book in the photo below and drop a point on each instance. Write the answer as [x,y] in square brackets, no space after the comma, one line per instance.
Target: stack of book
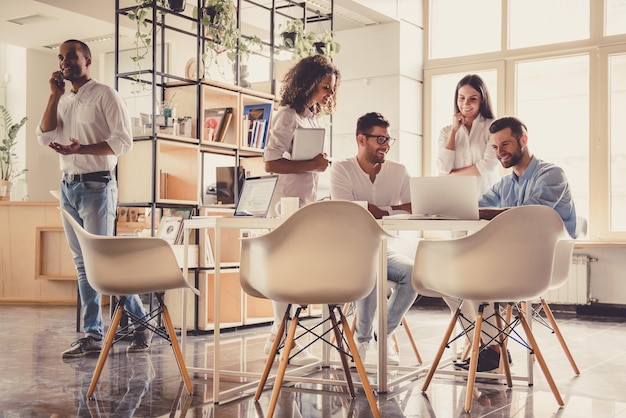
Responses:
[255,123]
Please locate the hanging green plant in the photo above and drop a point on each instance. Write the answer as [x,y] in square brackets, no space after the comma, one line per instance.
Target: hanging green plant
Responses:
[221,34]
[325,44]
[141,16]
[297,39]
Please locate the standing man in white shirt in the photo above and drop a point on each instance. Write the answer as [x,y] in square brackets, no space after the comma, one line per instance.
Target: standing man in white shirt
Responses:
[89,128]
[384,184]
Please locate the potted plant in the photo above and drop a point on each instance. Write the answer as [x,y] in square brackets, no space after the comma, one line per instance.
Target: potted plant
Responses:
[297,39]
[8,157]
[325,44]
[141,16]
[219,18]
[176,5]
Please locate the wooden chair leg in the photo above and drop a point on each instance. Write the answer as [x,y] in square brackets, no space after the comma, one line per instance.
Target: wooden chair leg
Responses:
[345,308]
[559,336]
[280,374]
[341,350]
[409,334]
[178,354]
[359,366]
[442,347]
[108,342]
[542,363]
[471,377]
[272,356]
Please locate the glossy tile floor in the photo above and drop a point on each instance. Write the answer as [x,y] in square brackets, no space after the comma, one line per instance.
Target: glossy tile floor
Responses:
[34,382]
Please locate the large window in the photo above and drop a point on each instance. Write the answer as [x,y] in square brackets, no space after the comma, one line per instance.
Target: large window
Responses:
[560,66]
[617,137]
[556,111]
[541,22]
[615,16]
[459,27]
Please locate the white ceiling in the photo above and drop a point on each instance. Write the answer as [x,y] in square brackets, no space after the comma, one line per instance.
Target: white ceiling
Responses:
[58,20]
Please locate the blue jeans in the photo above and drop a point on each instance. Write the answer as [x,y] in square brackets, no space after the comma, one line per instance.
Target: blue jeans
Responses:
[399,270]
[93,205]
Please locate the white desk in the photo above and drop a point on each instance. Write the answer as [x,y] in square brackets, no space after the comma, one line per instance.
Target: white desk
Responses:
[220,223]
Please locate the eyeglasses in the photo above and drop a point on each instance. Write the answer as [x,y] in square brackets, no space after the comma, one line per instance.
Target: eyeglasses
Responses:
[381,140]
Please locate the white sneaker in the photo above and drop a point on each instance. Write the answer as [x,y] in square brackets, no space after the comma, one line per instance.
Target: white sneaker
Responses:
[303,358]
[392,356]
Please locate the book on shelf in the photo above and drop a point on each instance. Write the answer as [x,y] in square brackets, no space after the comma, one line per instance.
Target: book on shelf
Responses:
[223,128]
[258,117]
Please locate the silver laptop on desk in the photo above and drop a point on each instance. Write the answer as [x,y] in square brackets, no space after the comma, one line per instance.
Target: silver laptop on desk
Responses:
[256,196]
[445,197]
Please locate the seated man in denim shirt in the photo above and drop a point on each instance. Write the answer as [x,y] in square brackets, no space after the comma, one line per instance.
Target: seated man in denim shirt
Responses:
[532,182]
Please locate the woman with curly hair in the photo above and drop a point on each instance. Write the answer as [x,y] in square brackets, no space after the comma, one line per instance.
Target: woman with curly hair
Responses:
[308,92]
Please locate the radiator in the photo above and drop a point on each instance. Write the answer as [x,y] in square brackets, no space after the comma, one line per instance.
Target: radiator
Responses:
[576,289]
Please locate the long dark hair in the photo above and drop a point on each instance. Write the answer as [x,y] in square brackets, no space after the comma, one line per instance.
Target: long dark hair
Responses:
[479,85]
[301,81]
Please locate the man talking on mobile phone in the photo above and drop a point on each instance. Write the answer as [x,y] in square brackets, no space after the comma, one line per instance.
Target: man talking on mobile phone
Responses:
[89,127]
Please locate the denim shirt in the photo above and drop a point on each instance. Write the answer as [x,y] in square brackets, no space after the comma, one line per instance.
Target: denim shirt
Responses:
[541,183]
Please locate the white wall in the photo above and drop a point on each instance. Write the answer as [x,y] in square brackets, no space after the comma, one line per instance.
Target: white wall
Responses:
[383,79]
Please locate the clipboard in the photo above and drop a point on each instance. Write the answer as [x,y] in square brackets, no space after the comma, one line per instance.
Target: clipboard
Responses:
[308,143]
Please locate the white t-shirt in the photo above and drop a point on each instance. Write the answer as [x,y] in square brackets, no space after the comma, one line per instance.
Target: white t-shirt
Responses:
[349,182]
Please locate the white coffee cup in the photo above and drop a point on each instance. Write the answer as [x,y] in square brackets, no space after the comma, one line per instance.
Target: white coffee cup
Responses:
[287,206]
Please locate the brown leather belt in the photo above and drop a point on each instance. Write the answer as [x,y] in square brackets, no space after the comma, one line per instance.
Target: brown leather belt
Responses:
[101,176]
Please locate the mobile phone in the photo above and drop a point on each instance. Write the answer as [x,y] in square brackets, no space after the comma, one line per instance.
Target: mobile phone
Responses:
[61,80]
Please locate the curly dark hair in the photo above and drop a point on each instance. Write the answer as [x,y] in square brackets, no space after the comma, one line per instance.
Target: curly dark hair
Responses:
[301,81]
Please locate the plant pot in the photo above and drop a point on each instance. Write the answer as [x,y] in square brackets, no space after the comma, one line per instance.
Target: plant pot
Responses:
[177,5]
[211,11]
[289,39]
[5,190]
[321,48]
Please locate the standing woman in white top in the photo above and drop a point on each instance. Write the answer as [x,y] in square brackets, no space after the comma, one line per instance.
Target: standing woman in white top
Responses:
[308,92]
[463,146]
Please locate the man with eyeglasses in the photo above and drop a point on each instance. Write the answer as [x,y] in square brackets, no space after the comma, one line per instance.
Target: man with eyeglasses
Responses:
[384,185]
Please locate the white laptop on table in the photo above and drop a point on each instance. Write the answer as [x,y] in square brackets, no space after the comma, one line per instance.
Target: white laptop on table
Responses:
[256,196]
[445,197]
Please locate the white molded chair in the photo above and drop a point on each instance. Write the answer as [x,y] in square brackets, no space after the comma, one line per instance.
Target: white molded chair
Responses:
[122,266]
[508,261]
[326,253]
[560,274]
